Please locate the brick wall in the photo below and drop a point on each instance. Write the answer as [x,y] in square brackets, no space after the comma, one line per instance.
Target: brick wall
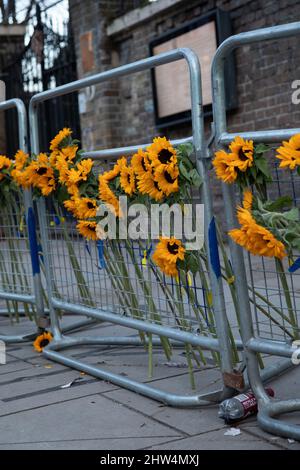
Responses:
[121,112]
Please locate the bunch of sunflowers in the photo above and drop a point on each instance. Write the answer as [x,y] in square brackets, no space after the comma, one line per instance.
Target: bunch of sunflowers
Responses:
[267,229]
[160,173]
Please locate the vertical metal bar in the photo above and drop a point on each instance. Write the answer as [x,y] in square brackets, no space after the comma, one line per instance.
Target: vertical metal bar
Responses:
[23,144]
[219,113]
[41,206]
[30,218]
[205,193]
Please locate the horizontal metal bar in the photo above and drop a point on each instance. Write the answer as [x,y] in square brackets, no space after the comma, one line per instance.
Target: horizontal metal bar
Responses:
[13,103]
[270,347]
[267,136]
[17,297]
[110,154]
[11,339]
[122,340]
[217,73]
[170,399]
[177,335]
[138,66]
[257,35]
[267,421]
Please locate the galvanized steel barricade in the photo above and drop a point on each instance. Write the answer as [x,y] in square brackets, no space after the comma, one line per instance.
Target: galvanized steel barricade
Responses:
[107,308]
[20,279]
[258,336]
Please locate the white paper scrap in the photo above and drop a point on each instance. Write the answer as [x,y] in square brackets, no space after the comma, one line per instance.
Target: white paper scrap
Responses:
[232,432]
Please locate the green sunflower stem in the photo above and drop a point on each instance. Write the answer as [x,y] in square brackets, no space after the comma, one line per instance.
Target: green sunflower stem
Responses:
[288,299]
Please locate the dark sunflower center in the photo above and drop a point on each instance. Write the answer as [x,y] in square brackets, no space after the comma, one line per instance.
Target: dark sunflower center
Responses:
[90,205]
[44,343]
[169,178]
[173,249]
[92,228]
[165,156]
[42,171]
[156,185]
[242,155]
[143,164]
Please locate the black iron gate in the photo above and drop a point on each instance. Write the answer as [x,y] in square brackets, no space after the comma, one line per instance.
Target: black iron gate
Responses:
[47,61]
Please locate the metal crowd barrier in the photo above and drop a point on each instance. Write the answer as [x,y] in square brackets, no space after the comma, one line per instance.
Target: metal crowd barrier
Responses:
[105,307]
[20,279]
[259,336]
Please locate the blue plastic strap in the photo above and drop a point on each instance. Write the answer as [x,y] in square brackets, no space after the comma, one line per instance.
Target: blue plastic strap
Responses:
[34,250]
[295,266]
[101,254]
[100,249]
[213,248]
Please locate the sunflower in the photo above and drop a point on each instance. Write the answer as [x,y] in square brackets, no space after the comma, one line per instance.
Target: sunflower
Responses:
[62,166]
[255,238]
[140,163]
[161,151]
[5,164]
[167,178]
[57,142]
[80,172]
[40,174]
[86,207]
[128,179]
[71,205]
[72,189]
[67,153]
[147,185]
[20,160]
[19,173]
[224,166]
[168,251]
[114,172]
[87,229]
[20,177]
[248,199]
[42,341]
[289,153]
[243,152]
[107,195]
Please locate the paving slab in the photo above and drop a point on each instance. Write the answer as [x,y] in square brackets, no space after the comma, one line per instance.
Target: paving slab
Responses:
[136,443]
[94,414]
[133,363]
[92,417]
[190,421]
[13,365]
[33,384]
[215,440]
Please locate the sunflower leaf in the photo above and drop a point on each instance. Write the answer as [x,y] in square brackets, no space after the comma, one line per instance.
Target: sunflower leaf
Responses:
[195,178]
[193,264]
[261,148]
[185,150]
[292,215]
[62,194]
[184,171]
[280,203]
[262,165]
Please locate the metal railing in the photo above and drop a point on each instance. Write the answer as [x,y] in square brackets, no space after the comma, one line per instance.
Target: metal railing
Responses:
[56,275]
[21,278]
[258,336]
